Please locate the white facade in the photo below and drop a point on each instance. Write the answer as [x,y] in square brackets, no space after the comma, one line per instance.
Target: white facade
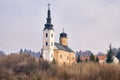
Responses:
[48,44]
[115,60]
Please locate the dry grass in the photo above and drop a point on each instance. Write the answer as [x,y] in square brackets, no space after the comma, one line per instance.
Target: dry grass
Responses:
[26,67]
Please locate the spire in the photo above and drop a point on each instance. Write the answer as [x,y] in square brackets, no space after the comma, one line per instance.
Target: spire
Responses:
[63,30]
[49,15]
[48,25]
[110,46]
[48,6]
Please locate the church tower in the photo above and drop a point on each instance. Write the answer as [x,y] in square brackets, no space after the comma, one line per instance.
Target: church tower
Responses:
[63,39]
[48,38]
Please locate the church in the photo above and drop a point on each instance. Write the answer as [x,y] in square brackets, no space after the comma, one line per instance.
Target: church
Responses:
[60,52]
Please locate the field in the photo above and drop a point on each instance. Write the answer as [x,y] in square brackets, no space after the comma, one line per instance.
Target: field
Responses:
[26,67]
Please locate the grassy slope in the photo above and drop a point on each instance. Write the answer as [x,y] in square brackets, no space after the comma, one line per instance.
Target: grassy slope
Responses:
[26,67]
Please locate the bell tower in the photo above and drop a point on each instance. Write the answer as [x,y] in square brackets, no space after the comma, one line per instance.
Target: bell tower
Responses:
[48,38]
[63,39]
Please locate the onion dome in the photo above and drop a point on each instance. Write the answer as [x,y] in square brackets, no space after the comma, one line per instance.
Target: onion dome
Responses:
[63,34]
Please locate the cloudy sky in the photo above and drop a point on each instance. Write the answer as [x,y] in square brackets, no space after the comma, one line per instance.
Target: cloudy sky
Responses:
[90,24]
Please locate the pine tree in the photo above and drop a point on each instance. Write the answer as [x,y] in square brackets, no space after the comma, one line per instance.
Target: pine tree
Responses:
[110,56]
[21,51]
[41,56]
[118,55]
[86,59]
[78,59]
[54,61]
[97,59]
[92,57]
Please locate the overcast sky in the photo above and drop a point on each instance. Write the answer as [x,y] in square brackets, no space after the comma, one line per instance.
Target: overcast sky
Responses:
[90,24]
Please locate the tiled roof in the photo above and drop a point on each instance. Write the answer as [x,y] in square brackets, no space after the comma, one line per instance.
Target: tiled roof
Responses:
[102,57]
[61,47]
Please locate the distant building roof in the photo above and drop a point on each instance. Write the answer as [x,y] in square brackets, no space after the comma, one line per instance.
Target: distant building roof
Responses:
[102,57]
[84,58]
[61,47]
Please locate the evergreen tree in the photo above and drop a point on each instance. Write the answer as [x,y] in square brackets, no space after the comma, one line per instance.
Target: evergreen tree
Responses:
[86,59]
[110,56]
[78,59]
[97,59]
[21,51]
[118,55]
[92,57]
[41,56]
[54,61]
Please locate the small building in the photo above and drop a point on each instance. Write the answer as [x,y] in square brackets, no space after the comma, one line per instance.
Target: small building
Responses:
[60,52]
[115,60]
[111,55]
[102,58]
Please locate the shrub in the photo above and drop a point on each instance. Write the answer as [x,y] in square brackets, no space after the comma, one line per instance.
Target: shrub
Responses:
[26,67]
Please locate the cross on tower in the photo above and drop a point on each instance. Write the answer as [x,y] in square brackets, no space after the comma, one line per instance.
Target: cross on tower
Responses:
[48,5]
[63,30]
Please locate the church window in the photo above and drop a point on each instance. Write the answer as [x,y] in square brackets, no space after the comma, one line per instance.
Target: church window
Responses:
[46,34]
[52,35]
[60,56]
[46,43]
[67,57]
[51,43]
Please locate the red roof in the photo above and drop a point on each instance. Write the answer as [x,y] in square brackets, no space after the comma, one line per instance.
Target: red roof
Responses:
[102,57]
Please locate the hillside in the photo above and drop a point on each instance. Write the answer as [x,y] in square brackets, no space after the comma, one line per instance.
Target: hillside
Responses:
[2,53]
[27,67]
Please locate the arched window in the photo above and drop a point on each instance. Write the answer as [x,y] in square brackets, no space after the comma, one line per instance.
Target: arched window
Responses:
[51,43]
[52,35]
[60,56]
[46,43]
[67,57]
[46,34]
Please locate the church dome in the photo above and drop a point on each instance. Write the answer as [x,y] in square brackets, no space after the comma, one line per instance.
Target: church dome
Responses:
[63,35]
